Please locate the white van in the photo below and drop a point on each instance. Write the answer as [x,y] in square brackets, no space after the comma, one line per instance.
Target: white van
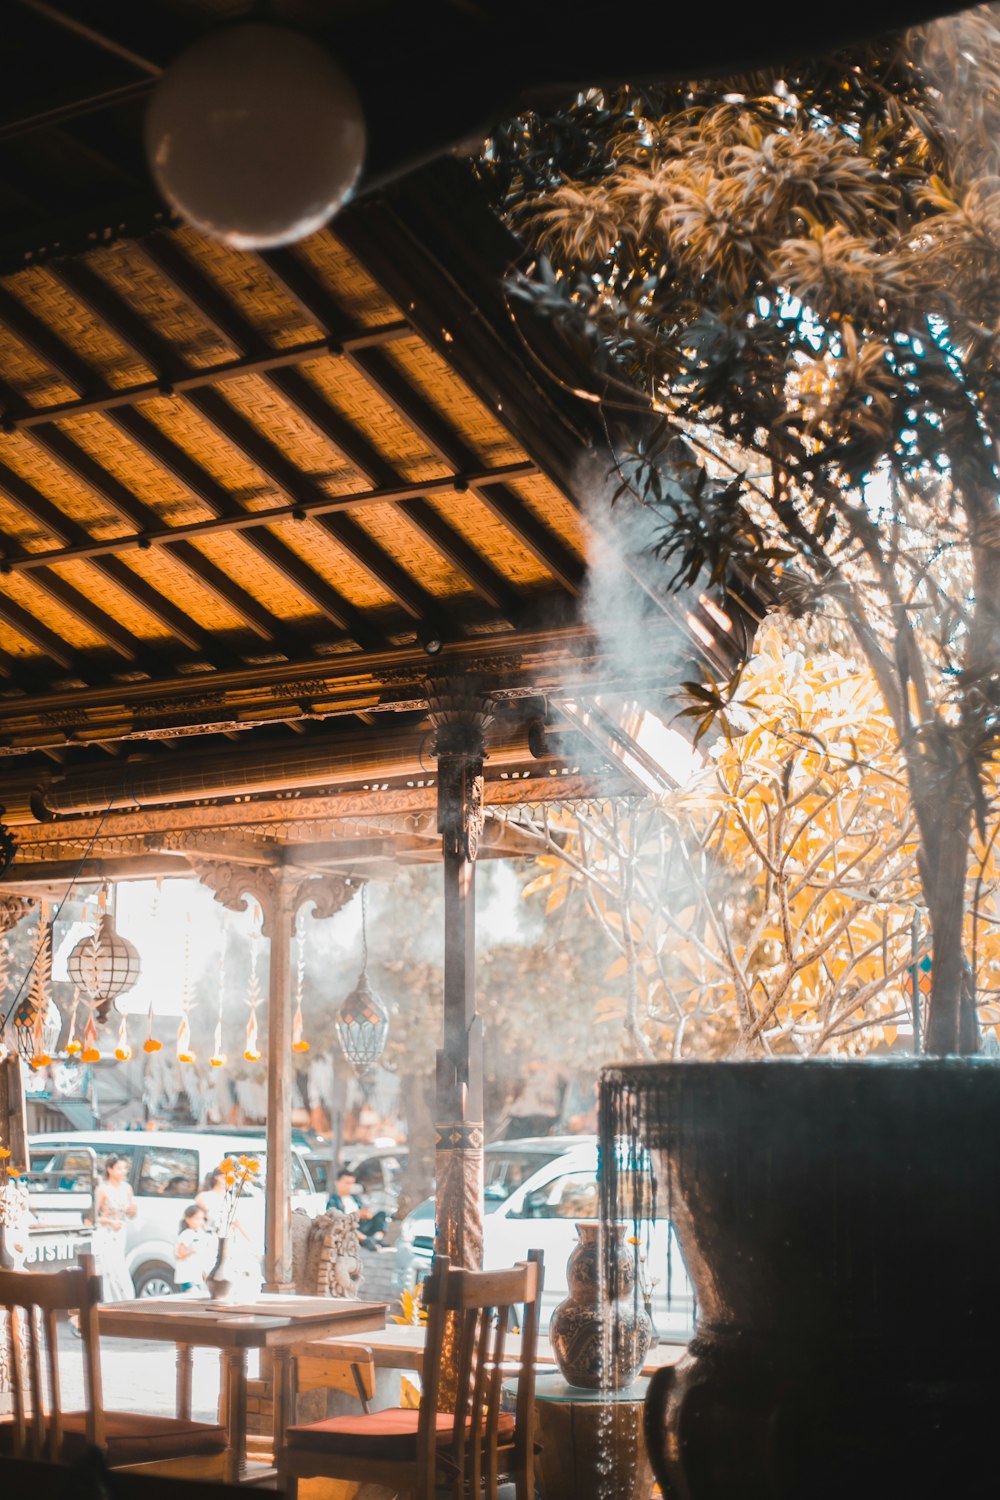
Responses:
[166,1169]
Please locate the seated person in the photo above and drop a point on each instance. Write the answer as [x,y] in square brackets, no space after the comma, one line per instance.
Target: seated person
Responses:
[371,1227]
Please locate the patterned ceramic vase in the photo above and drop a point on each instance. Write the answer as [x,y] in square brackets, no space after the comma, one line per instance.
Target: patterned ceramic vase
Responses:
[599,1341]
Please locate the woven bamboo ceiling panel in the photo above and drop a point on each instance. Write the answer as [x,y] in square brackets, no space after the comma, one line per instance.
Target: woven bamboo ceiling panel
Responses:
[250,504]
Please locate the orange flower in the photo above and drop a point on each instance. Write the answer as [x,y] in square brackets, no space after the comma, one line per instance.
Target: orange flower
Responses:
[40,1060]
[123,1053]
[226,1164]
[185,1057]
[74,1048]
[4,1154]
[14,1173]
[90,1054]
[151,1044]
[300,1046]
[217,1062]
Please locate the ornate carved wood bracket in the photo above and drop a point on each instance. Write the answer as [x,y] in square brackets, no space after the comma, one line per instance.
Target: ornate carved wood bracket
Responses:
[276,888]
[461,710]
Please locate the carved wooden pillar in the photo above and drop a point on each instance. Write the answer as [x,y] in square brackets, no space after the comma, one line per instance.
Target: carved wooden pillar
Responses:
[461,711]
[280,890]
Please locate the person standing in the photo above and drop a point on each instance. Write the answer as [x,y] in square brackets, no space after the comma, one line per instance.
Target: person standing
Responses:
[195,1250]
[114,1204]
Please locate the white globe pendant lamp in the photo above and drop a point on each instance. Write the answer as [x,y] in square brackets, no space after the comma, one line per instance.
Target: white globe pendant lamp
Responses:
[255,135]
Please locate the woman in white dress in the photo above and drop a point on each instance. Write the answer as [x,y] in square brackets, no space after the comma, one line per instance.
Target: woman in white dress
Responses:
[114,1204]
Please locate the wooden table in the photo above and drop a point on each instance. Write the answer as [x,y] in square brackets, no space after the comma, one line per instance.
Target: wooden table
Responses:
[400,1346]
[271,1321]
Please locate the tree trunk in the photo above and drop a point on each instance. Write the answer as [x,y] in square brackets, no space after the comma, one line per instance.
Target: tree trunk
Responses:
[943,806]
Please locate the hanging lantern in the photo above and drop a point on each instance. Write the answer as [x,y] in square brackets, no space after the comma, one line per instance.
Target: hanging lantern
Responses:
[104,965]
[255,135]
[362,1022]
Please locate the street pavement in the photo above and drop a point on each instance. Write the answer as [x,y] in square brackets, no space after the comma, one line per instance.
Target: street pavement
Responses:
[139,1375]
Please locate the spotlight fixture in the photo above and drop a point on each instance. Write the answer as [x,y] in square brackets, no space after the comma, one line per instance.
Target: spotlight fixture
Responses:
[255,135]
[429,642]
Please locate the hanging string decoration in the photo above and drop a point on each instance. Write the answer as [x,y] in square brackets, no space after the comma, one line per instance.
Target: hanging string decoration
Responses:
[218,1057]
[37,1022]
[4,986]
[251,1050]
[123,1047]
[103,964]
[299,1043]
[73,1046]
[185,1052]
[152,1043]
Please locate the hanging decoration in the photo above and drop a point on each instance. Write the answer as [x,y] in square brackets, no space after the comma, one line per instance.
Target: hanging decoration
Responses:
[299,1043]
[104,964]
[123,1047]
[185,1052]
[362,1022]
[251,1050]
[37,1022]
[152,1043]
[218,1057]
[73,1046]
[91,1051]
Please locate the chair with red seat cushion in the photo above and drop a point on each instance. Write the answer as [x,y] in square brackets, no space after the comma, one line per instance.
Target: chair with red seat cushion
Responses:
[40,1428]
[464,1451]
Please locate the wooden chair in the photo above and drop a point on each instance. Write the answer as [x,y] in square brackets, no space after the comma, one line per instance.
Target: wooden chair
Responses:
[33,1479]
[426,1452]
[41,1429]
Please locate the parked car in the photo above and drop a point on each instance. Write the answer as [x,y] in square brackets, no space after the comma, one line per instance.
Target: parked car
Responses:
[541,1211]
[378,1169]
[167,1169]
[507,1165]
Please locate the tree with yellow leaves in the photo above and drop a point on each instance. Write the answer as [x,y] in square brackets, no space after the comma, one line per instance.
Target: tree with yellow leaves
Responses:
[773,902]
[788,287]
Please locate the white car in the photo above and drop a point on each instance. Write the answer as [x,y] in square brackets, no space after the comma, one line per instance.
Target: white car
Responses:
[166,1169]
[542,1212]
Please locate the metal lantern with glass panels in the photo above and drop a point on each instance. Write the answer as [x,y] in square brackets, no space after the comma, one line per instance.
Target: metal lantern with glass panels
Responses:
[104,965]
[362,1022]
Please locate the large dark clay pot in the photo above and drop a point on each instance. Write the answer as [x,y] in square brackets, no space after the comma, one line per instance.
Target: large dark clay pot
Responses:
[841,1225]
[599,1341]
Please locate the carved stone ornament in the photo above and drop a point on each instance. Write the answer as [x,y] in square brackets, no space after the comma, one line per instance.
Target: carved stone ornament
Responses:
[12,909]
[274,888]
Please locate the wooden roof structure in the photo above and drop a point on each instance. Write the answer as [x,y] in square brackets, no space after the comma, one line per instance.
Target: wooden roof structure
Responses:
[249,504]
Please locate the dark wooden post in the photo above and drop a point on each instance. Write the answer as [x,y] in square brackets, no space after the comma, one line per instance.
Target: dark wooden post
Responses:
[461,711]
